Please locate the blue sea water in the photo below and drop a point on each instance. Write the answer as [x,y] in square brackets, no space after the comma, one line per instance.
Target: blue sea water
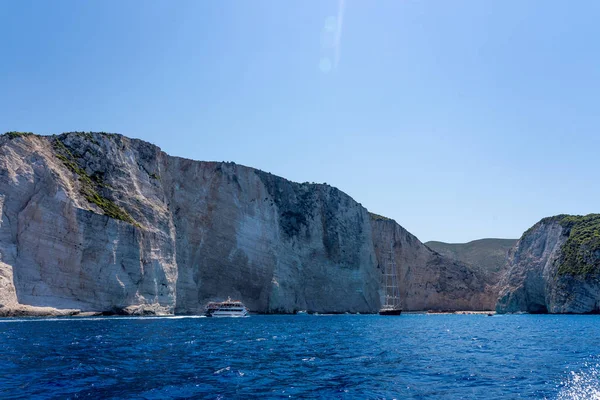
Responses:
[340,356]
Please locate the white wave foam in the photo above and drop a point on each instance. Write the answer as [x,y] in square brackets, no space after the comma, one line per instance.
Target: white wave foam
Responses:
[114,318]
[219,371]
[582,385]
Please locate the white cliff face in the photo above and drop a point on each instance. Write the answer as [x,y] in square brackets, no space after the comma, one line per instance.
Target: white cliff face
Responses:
[429,281]
[201,231]
[62,252]
[99,222]
[533,282]
[278,245]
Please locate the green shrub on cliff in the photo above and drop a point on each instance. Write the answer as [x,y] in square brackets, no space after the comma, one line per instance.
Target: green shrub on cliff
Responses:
[581,251]
[89,185]
[377,217]
[13,135]
[110,209]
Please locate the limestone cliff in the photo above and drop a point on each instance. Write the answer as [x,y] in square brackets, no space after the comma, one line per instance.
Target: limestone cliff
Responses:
[554,268]
[101,222]
[429,280]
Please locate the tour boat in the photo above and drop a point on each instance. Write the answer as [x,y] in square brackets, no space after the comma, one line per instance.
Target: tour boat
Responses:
[391,305]
[228,308]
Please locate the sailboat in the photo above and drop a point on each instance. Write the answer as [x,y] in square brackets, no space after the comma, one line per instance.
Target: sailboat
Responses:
[392,288]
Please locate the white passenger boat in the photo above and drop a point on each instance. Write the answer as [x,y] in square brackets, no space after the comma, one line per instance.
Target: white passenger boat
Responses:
[228,308]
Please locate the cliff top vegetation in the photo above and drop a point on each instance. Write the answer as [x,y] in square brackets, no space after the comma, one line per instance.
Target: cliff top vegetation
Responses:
[581,251]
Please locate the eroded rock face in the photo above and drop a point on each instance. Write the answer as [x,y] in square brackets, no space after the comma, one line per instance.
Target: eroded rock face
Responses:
[429,281]
[202,231]
[534,282]
[66,255]
[103,223]
[278,245]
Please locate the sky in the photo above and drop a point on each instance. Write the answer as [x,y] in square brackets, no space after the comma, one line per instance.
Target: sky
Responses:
[459,119]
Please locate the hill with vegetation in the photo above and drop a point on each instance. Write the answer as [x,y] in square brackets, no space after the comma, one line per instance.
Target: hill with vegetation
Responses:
[488,255]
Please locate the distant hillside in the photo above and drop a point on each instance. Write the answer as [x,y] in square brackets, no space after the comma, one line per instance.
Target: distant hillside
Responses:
[486,254]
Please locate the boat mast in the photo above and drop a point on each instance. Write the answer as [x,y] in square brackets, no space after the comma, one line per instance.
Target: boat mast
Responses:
[392,288]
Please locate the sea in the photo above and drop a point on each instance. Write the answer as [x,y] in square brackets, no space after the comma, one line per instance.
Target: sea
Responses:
[412,356]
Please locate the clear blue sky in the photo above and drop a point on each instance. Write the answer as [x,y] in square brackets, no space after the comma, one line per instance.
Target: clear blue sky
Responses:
[459,119]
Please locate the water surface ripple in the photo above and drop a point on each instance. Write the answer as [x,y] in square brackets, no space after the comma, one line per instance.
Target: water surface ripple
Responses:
[342,356]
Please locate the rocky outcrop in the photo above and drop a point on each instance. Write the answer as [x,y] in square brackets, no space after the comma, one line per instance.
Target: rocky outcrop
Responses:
[554,268]
[95,222]
[428,280]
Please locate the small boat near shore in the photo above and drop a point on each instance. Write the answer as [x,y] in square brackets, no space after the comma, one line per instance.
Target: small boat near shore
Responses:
[228,308]
[391,311]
